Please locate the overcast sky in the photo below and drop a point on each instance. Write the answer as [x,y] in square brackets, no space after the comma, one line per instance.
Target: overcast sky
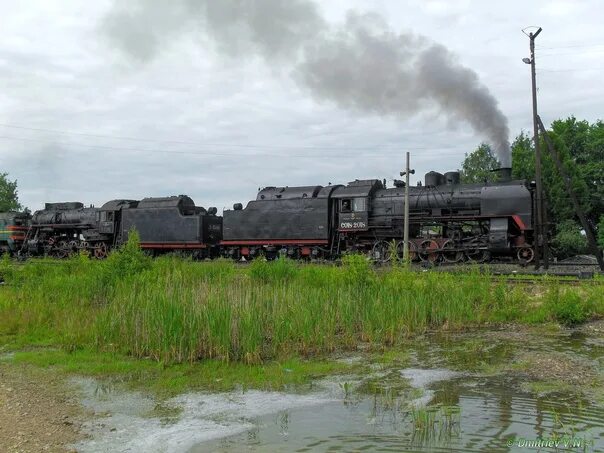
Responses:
[80,121]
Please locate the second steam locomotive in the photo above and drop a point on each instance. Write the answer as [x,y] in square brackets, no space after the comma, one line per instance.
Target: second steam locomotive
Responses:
[450,222]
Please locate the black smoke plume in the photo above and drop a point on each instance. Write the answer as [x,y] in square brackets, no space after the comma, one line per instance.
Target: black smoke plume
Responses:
[361,65]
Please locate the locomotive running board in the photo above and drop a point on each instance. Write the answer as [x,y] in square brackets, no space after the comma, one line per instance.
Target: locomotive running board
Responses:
[278,242]
[169,245]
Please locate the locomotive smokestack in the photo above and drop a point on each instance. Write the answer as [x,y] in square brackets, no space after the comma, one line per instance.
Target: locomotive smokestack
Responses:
[505,174]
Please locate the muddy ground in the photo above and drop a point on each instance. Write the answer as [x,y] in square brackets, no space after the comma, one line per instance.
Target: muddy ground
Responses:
[37,412]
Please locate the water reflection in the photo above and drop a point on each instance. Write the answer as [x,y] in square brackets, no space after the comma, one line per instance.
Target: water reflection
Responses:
[469,410]
[442,392]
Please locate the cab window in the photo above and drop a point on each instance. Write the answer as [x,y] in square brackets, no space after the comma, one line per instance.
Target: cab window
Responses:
[359,204]
[346,205]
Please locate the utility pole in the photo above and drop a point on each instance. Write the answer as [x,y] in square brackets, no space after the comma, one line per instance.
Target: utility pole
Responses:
[407,172]
[541,250]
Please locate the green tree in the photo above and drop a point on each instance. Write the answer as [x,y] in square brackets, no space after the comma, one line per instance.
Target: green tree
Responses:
[9,201]
[523,157]
[601,232]
[477,166]
[581,149]
[584,145]
[569,240]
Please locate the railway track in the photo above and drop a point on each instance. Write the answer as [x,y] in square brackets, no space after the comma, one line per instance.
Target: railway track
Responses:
[548,281]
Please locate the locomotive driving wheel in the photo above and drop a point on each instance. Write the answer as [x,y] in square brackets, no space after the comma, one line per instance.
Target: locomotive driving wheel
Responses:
[412,250]
[380,252]
[63,249]
[428,251]
[100,251]
[450,253]
[73,247]
[476,252]
[525,254]
[477,256]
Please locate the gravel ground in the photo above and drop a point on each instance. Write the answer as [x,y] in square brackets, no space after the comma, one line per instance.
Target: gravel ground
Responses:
[37,412]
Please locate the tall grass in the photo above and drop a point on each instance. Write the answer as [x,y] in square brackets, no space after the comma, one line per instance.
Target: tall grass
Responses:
[175,310]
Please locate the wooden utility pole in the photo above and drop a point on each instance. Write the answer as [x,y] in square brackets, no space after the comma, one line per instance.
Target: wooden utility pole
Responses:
[541,248]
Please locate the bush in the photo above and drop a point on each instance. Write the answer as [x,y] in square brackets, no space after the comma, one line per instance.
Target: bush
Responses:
[359,271]
[569,240]
[566,307]
[128,260]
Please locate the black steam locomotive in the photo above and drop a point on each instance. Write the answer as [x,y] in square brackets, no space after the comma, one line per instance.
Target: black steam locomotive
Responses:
[171,223]
[449,222]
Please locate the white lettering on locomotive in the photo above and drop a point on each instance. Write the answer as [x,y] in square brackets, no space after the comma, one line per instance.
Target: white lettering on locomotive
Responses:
[352,225]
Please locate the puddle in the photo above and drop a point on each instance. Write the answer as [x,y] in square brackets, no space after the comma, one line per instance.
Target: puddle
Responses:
[422,378]
[128,421]
[458,392]
[7,356]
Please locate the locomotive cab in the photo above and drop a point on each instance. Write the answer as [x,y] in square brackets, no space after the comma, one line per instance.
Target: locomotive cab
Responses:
[110,214]
[353,204]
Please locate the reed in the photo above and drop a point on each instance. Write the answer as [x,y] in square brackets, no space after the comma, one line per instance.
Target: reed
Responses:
[175,310]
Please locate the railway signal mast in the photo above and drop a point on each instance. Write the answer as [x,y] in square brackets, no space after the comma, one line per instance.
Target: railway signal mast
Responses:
[406,173]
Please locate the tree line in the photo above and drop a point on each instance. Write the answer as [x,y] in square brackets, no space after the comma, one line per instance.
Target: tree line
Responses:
[581,148]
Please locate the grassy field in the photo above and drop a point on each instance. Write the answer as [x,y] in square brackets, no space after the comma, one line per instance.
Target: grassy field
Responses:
[173,311]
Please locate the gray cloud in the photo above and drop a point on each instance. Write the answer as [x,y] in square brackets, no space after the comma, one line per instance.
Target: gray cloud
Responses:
[59,73]
[361,65]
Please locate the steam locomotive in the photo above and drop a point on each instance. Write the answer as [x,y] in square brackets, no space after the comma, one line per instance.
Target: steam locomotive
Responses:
[170,223]
[450,222]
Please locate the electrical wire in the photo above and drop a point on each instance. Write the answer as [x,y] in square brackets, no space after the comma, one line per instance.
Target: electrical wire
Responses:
[371,154]
[181,142]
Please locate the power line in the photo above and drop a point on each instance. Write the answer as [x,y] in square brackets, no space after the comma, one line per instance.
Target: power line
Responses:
[571,70]
[572,46]
[556,54]
[234,145]
[205,153]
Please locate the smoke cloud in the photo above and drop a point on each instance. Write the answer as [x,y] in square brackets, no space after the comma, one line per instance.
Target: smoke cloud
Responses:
[360,65]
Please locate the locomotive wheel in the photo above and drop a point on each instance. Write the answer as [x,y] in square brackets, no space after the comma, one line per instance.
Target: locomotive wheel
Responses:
[526,254]
[63,249]
[451,256]
[412,250]
[100,251]
[380,252]
[427,251]
[477,256]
